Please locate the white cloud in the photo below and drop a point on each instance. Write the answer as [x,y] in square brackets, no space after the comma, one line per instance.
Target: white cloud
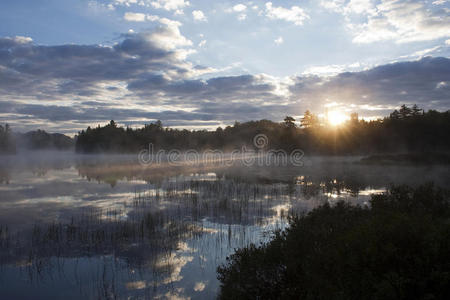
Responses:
[335,5]
[331,70]
[199,15]
[242,17]
[439,2]
[279,41]
[153,18]
[199,286]
[361,6]
[176,5]
[425,52]
[202,43]
[324,70]
[170,38]
[410,21]
[447,42]
[22,39]
[399,20]
[441,84]
[350,7]
[295,14]
[167,37]
[125,2]
[239,7]
[134,17]
[136,285]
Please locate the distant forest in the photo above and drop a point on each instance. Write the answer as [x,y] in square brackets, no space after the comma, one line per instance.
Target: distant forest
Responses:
[409,129]
[11,142]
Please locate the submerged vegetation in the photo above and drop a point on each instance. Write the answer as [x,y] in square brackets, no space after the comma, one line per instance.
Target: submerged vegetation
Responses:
[409,129]
[397,249]
[159,230]
[145,232]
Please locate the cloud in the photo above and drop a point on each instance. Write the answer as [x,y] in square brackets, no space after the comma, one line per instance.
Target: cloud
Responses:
[127,3]
[171,5]
[49,71]
[295,14]
[399,20]
[425,52]
[239,7]
[134,17]
[199,15]
[258,89]
[199,286]
[202,43]
[279,40]
[383,86]
[242,17]
[169,37]
[325,70]
[141,78]
[147,76]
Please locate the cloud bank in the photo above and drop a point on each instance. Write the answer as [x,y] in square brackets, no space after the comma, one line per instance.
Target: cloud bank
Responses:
[147,76]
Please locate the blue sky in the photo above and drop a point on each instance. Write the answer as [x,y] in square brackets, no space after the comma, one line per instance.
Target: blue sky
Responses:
[202,64]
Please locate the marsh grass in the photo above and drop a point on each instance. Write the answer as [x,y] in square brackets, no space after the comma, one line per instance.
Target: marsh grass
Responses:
[146,230]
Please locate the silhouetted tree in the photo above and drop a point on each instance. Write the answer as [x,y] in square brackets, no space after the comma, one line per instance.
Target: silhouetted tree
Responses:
[354,118]
[405,111]
[395,115]
[309,120]
[398,132]
[289,122]
[415,110]
[7,143]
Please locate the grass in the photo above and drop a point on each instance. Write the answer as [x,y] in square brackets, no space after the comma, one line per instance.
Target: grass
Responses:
[149,226]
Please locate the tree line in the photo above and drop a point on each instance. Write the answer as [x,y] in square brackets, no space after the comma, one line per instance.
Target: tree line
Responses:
[7,144]
[10,141]
[409,129]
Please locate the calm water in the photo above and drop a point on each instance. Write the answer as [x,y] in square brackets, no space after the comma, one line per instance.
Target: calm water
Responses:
[105,227]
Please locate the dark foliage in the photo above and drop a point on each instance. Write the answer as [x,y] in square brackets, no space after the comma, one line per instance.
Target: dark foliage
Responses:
[33,140]
[7,143]
[397,249]
[40,140]
[409,129]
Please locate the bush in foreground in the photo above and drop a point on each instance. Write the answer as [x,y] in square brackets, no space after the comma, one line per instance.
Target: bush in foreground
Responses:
[397,249]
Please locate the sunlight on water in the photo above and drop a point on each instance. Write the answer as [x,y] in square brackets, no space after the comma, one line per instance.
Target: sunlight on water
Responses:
[112,228]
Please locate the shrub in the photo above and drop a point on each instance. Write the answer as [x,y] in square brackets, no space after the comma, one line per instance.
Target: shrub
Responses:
[397,249]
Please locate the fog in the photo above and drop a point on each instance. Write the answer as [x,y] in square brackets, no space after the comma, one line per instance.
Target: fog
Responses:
[67,213]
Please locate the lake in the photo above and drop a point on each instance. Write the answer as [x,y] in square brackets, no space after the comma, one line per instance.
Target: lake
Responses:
[105,226]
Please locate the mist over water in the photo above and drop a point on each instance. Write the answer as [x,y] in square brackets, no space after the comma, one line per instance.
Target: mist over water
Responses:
[105,226]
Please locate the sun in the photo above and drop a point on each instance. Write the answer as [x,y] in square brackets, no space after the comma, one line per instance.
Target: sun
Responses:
[336,118]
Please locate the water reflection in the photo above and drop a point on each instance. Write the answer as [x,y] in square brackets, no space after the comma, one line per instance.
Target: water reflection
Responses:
[106,227]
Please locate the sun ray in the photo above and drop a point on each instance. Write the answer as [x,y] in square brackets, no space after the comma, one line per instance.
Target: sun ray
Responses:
[336,118]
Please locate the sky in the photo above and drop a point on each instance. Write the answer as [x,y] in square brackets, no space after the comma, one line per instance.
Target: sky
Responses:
[66,65]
